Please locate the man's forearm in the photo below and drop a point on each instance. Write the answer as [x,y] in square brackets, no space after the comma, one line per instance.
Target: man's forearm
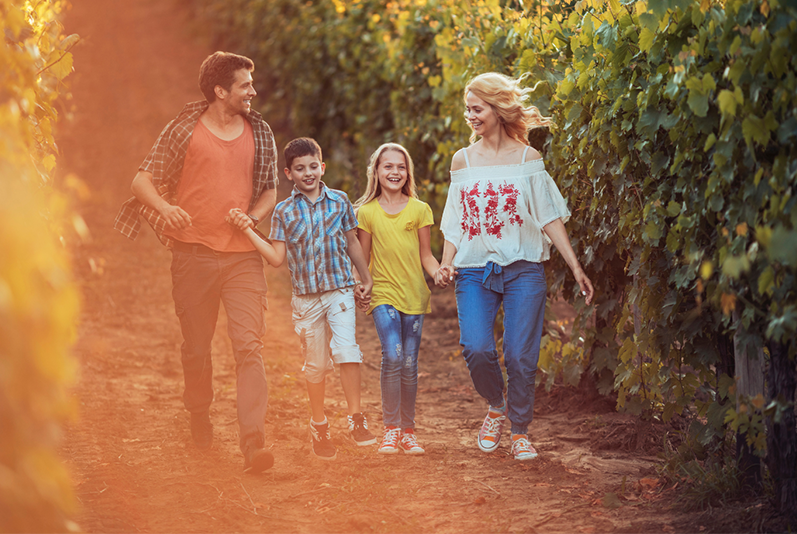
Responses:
[265,204]
[144,190]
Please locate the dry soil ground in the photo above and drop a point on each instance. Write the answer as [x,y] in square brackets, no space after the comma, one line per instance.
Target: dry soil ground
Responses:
[133,463]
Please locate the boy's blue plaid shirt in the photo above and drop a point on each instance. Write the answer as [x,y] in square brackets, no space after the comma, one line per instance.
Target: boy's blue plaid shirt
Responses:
[315,238]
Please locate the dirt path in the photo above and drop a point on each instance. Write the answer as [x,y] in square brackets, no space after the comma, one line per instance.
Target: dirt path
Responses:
[134,466]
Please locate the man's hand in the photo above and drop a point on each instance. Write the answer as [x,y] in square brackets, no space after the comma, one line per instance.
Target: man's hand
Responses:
[239,219]
[175,216]
[444,275]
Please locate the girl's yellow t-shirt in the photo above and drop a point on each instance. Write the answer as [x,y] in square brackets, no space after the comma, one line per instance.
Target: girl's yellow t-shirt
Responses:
[395,255]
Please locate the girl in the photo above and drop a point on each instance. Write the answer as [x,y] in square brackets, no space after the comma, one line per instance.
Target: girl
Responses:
[502,212]
[394,224]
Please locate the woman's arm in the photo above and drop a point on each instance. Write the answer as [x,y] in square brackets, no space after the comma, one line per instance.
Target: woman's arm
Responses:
[428,261]
[558,234]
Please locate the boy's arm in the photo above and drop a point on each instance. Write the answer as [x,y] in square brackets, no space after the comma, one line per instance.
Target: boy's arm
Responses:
[355,252]
[428,261]
[273,252]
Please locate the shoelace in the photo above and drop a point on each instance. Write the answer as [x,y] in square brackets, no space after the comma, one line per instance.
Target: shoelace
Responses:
[491,425]
[319,435]
[391,437]
[352,424]
[521,445]
[410,440]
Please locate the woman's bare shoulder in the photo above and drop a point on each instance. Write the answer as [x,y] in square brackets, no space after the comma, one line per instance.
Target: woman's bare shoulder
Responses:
[458,161]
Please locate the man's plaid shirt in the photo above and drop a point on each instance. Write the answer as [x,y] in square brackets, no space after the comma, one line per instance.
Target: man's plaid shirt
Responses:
[315,239]
[165,162]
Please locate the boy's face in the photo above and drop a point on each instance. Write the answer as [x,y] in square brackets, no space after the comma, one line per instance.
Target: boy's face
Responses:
[306,173]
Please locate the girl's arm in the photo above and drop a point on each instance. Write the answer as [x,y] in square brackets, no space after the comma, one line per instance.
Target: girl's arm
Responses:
[558,234]
[446,273]
[365,243]
[428,261]
[274,252]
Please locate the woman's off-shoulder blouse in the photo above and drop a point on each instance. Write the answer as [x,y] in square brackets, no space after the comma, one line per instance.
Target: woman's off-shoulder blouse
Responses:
[497,213]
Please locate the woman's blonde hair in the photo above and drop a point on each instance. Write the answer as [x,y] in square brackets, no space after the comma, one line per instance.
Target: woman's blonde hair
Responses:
[374,189]
[506,98]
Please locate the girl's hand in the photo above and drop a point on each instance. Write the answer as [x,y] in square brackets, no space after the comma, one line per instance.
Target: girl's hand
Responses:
[236,217]
[444,275]
[584,283]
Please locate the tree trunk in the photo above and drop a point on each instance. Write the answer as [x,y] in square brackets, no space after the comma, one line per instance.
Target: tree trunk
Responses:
[782,438]
[749,374]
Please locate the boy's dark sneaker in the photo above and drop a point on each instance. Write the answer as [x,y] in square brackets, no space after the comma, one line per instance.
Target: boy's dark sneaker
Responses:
[257,460]
[322,445]
[201,430]
[358,429]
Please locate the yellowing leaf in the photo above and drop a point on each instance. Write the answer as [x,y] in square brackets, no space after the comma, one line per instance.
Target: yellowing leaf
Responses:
[741,229]
[728,303]
[727,103]
[646,38]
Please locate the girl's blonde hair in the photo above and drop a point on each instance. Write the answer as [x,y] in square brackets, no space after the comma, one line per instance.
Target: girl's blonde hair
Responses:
[374,189]
[506,98]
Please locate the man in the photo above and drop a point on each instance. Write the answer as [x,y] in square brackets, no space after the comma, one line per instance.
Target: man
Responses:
[216,155]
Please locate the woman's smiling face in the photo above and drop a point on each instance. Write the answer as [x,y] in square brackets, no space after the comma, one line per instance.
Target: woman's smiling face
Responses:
[480,115]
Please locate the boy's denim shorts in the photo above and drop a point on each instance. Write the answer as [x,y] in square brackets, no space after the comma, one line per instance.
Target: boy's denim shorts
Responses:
[325,323]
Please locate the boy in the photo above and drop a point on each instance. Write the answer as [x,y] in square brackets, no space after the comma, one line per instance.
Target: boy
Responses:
[316,227]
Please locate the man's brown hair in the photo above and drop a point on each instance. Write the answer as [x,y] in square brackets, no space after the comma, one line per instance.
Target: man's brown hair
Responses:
[219,69]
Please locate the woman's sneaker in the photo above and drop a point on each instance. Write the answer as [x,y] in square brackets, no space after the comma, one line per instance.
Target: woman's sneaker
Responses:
[322,445]
[522,448]
[490,432]
[409,444]
[358,429]
[390,441]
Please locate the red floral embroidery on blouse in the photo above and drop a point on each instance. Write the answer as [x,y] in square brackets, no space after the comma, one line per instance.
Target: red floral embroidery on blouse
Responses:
[491,222]
[510,194]
[470,211]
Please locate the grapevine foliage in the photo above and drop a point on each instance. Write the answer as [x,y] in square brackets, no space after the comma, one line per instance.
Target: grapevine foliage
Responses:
[38,299]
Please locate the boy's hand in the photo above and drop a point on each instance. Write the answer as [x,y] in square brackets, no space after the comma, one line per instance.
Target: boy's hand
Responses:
[239,219]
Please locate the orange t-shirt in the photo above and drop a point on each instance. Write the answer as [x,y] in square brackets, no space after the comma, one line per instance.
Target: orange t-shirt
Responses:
[217,176]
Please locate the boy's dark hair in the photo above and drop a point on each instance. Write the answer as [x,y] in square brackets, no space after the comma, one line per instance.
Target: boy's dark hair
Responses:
[301,146]
[219,69]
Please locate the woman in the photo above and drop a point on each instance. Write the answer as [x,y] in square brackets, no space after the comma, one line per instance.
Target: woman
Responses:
[502,213]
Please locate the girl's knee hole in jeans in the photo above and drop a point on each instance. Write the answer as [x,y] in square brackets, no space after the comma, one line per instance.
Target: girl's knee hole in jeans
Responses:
[398,350]
[408,362]
[415,326]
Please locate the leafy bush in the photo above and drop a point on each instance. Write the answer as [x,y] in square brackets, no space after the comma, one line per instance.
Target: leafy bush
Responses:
[38,300]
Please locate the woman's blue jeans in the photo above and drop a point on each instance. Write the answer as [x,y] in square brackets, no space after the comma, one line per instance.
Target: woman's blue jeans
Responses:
[521,287]
[400,335]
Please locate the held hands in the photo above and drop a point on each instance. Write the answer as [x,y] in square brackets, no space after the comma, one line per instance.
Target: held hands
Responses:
[444,275]
[584,283]
[239,219]
[362,295]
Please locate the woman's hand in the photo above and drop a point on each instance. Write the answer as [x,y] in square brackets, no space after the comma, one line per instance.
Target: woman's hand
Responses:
[584,283]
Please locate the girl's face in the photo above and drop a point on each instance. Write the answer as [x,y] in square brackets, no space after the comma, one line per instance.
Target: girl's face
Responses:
[480,115]
[392,171]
